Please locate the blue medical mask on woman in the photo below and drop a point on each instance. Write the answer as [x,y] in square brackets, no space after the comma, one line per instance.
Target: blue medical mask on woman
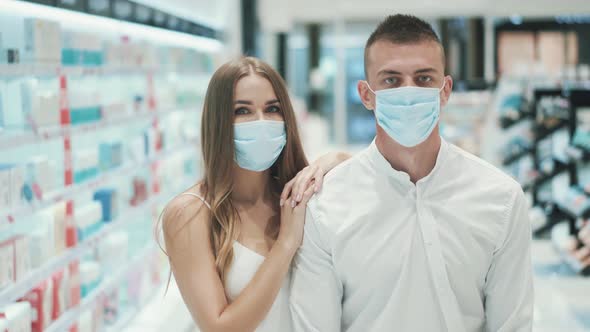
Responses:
[259,144]
[408,114]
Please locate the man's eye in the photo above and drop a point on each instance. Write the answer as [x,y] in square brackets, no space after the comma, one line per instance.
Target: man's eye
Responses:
[425,79]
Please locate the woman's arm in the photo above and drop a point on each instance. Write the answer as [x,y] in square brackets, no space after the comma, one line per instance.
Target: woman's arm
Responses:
[312,175]
[186,233]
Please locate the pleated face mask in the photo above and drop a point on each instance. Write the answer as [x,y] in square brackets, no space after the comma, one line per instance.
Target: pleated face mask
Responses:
[258,144]
[408,114]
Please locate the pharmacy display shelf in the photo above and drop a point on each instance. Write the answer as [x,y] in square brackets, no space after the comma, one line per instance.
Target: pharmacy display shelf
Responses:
[21,288]
[43,134]
[52,70]
[71,316]
[72,191]
[560,237]
[165,312]
[131,313]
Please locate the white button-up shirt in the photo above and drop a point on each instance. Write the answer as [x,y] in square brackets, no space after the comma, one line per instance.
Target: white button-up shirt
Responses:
[450,253]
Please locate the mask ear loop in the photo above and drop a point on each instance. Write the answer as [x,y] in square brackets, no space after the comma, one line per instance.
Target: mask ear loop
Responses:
[368,86]
[444,84]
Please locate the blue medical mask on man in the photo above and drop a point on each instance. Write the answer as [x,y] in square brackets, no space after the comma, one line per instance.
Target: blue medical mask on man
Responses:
[408,114]
[258,144]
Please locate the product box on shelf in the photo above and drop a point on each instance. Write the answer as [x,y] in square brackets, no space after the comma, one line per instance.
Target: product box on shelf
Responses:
[82,49]
[13,194]
[13,116]
[40,102]
[90,276]
[110,155]
[22,257]
[86,322]
[5,192]
[17,317]
[88,219]
[41,300]
[7,262]
[59,294]
[140,192]
[74,287]
[12,29]
[59,217]
[108,199]
[113,251]
[85,165]
[42,41]
[111,307]
[41,176]
[43,238]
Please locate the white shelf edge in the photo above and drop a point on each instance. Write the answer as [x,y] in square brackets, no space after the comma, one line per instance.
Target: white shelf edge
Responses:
[72,190]
[45,134]
[70,317]
[19,289]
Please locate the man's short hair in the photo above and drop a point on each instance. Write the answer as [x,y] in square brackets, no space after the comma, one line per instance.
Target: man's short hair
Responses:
[402,29]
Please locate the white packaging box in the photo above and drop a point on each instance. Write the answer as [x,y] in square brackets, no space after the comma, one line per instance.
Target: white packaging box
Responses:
[5,188]
[22,256]
[40,101]
[13,115]
[43,171]
[17,182]
[12,28]
[6,263]
[18,316]
[59,229]
[42,246]
[42,41]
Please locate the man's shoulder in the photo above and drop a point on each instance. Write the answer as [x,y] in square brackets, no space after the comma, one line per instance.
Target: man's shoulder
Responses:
[340,186]
[481,170]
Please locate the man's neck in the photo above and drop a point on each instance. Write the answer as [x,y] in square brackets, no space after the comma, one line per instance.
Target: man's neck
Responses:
[417,162]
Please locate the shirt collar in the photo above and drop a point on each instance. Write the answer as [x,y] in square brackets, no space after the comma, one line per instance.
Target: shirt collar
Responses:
[383,167]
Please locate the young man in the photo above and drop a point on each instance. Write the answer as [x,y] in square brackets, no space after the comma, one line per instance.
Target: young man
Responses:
[413,234]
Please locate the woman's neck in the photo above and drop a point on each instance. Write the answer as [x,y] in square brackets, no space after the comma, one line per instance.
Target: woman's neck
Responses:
[251,187]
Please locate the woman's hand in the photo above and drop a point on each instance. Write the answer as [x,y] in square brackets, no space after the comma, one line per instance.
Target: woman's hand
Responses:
[292,222]
[312,177]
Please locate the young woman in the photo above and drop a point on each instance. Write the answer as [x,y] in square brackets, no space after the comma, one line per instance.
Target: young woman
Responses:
[231,237]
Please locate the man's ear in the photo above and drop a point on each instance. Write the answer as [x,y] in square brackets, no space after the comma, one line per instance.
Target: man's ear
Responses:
[446,92]
[367,96]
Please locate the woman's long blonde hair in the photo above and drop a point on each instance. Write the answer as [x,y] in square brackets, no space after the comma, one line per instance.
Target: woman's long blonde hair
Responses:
[217,144]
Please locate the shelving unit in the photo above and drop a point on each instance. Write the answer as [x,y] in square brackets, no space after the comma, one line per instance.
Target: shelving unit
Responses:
[148,123]
[71,316]
[71,191]
[576,156]
[16,140]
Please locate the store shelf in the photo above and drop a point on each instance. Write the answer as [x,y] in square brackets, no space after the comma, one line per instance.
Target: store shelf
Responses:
[51,70]
[70,317]
[508,122]
[20,288]
[559,168]
[73,190]
[541,132]
[517,156]
[571,214]
[10,141]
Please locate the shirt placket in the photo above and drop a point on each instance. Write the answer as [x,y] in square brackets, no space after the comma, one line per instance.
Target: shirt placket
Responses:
[436,263]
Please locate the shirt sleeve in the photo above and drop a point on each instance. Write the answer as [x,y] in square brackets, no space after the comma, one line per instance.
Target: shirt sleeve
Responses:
[316,291]
[509,283]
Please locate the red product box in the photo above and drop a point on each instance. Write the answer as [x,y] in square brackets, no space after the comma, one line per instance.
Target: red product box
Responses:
[59,294]
[41,301]
[73,290]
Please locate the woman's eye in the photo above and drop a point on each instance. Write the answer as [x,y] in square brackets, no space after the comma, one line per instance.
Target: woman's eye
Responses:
[273,109]
[241,111]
